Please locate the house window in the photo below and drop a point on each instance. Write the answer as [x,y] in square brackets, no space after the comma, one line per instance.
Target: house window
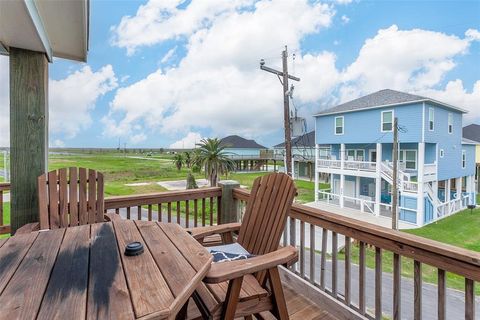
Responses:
[442,153]
[450,123]
[338,125]
[387,121]
[409,158]
[464,159]
[355,155]
[431,119]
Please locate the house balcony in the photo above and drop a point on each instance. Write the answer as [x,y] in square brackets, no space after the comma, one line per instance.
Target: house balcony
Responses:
[334,277]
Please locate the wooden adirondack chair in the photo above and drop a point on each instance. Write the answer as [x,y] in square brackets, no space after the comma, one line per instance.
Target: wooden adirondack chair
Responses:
[69,197]
[239,288]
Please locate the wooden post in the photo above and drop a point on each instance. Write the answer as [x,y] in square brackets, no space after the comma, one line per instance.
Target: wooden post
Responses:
[230,212]
[28,132]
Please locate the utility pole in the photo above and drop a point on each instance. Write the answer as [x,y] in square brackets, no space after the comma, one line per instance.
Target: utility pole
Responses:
[283,76]
[394,176]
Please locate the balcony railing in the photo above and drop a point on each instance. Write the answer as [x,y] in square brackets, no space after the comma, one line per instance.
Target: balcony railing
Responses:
[348,165]
[317,229]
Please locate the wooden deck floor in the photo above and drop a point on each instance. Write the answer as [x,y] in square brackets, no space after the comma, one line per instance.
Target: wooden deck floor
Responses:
[299,308]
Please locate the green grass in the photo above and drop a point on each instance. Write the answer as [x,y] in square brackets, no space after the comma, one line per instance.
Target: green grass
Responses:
[461,229]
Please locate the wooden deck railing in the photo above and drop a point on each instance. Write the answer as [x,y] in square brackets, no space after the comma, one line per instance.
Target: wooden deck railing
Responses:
[189,208]
[325,228]
[4,227]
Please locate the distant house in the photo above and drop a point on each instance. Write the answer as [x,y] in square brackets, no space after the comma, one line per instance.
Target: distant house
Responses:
[303,153]
[472,133]
[248,154]
[436,167]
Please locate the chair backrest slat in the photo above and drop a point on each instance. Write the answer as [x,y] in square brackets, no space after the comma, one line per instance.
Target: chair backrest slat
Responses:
[70,197]
[266,213]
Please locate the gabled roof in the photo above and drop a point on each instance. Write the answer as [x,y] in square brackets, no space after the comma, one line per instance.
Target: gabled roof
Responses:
[307,140]
[472,132]
[382,98]
[235,141]
[468,141]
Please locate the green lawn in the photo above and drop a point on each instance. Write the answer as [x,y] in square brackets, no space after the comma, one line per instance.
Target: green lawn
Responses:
[461,229]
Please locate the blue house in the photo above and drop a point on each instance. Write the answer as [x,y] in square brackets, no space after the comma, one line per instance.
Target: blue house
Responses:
[436,166]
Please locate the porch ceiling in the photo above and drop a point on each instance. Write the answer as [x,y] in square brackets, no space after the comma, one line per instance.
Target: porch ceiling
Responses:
[57,28]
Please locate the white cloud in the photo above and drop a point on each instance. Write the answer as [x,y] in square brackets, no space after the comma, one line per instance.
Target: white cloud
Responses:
[138,138]
[160,20]
[4,102]
[345,19]
[216,88]
[409,60]
[187,142]
[73,98]
[473,34]
[57,143]
[168,55]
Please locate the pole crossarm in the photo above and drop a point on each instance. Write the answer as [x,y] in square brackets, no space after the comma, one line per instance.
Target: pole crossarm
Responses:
[278,73]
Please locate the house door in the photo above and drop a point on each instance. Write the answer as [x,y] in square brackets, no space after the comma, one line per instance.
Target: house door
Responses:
[373,156]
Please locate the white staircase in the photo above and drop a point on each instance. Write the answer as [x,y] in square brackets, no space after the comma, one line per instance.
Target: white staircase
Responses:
[403,178]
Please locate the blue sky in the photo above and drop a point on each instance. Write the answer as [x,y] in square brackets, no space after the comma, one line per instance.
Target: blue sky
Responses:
[171,72]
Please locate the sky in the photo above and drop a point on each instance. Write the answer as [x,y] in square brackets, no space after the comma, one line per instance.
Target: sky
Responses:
[168,73]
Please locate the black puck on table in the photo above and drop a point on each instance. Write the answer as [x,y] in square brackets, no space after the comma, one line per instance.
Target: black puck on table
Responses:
[134,249]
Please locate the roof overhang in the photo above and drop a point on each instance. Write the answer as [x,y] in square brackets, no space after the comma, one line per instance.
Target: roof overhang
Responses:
[56,28]
[442,104]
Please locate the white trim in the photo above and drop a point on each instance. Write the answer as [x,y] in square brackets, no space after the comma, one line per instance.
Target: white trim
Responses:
[423,122]
[39,27]
[446,105]
[405,157]
[335,125]
[450,116]
[432,119]
[442,153]
[382,123]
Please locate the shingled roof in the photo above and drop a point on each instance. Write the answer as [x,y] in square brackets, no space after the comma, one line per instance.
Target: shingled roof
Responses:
[381,98]
[472,132]
[307,140]
[238,142]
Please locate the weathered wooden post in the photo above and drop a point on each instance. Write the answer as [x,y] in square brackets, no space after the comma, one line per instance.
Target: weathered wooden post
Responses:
[28,132]
[230,212]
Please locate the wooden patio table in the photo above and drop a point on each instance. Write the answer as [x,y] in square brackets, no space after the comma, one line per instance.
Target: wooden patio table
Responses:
[82,272]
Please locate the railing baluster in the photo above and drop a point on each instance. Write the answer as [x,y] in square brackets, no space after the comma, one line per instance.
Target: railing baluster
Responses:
[361,278]
[178,212]
[302,249]
[139,212]
[469,299]
[441,287]
[219,210]
[334,263]
[417,295]
[187,214]
[159,217]
[293,239]
[128,213]
[397,283]
[169,208]
[285,235]
[323,258]
[378,283]
[211,211]
[195,212]
[348,265]
[149,212]
[203,212]
[1,208]
[312,253]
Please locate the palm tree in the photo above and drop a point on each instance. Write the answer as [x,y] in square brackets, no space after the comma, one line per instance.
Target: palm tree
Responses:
[188,158]
[178,161]
[211,156]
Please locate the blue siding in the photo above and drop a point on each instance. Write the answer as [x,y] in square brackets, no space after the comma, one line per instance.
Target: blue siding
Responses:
[430,152]
[428,210]
[364,126]
[470,167]
[410,203]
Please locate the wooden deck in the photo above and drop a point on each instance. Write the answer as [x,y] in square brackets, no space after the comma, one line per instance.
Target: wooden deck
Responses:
[299,308]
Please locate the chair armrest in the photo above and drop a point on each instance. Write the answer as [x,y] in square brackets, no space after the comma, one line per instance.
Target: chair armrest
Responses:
[202,232]
[29,227]
[220,272]
[109,216]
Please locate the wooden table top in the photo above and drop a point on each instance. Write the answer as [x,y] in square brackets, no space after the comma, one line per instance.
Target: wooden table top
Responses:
[82,272]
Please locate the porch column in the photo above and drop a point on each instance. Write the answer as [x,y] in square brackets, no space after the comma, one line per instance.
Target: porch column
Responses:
[458,185]
[316,172]
[447,190]
[28,132]
[378,180]
[435,196]
[342,176]
[420,194]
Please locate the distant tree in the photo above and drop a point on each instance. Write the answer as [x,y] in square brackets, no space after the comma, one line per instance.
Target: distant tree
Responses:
[212,157]
[162,150]
[188,158]
[178,161]
[191,183]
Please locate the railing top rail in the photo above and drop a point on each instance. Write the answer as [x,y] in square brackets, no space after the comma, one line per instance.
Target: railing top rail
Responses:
[4,186]
[161,197]
[447,257]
